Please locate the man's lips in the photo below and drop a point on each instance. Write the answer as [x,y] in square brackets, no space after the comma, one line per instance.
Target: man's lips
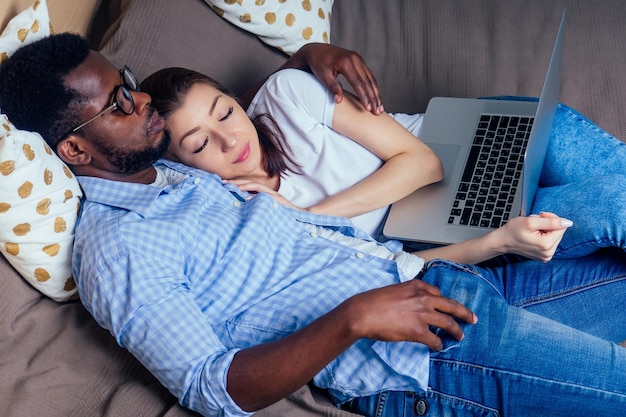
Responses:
[157,123]
[245,152]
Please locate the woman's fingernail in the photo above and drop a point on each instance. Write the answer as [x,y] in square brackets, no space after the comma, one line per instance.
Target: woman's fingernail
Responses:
[566,223]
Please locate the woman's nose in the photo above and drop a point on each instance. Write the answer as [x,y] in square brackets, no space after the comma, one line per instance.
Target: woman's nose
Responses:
[227,142]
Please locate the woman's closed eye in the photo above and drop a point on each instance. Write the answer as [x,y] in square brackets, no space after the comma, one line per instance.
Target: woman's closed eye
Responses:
[206,140]
[204,145]
[230,111]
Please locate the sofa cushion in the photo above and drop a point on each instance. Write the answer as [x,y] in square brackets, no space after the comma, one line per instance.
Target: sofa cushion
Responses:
[152,34]
[286,25]
[27,26]
[421,49]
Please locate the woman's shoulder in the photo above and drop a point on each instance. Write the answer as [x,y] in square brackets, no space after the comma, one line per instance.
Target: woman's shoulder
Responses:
[290,90]
[293,79]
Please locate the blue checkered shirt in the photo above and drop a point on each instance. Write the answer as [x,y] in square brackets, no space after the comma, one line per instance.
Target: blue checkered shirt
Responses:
[186,275]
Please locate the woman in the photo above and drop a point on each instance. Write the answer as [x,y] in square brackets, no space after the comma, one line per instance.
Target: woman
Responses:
[339,159]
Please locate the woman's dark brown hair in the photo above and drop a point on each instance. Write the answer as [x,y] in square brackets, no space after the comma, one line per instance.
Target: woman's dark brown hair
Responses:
[168,88]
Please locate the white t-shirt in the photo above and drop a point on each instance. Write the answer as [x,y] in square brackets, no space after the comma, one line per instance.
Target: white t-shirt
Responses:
[330,162]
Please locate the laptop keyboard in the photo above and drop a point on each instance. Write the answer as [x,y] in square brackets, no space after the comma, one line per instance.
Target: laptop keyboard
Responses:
[492,173]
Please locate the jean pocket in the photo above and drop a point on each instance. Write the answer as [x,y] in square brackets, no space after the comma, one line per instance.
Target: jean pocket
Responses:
[440,404]
[449,342]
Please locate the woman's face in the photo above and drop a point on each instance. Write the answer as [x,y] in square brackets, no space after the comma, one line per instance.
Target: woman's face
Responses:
[212,132]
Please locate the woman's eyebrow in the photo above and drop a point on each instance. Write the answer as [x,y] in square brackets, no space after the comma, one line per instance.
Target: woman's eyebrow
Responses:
[195,129]
[214,104]
[188,133]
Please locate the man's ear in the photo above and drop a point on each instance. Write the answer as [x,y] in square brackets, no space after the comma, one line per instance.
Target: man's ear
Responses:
[72,150]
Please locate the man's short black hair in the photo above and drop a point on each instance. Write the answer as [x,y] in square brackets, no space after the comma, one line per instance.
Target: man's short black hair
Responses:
[32,90]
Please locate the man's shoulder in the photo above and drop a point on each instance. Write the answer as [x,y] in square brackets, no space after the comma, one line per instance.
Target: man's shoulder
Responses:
[116,194]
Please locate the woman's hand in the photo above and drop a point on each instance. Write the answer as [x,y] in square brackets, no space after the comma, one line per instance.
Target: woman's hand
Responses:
[535,237]
[256,187]
[326,62]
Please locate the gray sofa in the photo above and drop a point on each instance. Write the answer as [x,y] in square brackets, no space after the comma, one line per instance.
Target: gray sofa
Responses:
[416,49]
[57,362]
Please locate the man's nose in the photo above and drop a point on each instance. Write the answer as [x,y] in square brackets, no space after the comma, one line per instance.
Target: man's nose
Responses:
[142,101]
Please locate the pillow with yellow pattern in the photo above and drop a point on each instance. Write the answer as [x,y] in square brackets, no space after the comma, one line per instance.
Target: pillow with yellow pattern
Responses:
[39,196]
[283,24]
[28,26]
[39,201]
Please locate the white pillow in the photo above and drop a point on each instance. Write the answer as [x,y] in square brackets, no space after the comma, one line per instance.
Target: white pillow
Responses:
[284,24]
[39,195]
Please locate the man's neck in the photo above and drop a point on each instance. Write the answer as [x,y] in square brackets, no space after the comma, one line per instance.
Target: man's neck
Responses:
[146,176]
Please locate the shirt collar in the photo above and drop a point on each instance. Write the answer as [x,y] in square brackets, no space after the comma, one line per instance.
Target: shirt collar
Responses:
[133,196]
[140,197]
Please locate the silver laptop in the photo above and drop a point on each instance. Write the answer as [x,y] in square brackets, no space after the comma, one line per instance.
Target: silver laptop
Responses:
[492,152]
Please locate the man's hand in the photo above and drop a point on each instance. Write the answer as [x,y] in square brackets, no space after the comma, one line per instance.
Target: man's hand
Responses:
[326,62]
[407,312]
[261,375]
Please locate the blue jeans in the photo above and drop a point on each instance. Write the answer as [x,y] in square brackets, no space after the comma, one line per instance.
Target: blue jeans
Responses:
[583,179]
[543,344]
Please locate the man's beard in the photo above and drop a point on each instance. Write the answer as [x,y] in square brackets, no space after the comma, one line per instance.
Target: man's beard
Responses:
[128,162]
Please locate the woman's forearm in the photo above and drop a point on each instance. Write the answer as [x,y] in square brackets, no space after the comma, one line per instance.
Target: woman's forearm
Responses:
[471,251]
[397,178]
[408,163]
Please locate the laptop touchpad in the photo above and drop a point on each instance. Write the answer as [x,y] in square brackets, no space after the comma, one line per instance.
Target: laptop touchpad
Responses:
[448,155]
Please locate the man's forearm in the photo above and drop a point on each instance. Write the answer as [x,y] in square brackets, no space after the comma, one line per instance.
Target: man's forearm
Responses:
[261,375]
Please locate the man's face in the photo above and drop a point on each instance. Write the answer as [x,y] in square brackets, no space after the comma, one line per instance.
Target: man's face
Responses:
[117,143]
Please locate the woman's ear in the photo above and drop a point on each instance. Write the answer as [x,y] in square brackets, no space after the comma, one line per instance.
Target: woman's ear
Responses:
[72,151]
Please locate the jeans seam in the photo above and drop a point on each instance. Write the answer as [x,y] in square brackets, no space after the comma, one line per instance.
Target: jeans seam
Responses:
[431,393]
[578,117]
[553,296]
[472,269]
[380,404]
[600,243]
[529,376]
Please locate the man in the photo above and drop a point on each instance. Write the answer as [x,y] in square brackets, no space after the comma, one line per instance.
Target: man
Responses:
[234,301]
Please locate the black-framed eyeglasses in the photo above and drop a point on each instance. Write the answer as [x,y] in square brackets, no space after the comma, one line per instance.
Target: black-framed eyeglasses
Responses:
[122,97]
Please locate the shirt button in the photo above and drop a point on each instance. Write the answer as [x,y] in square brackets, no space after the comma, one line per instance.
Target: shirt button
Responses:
[360,255]
[421,407]
[196,180]
[314,234]
[275,204]
[237,203]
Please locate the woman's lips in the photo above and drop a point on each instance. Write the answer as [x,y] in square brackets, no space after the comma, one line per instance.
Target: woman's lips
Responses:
[245,152]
